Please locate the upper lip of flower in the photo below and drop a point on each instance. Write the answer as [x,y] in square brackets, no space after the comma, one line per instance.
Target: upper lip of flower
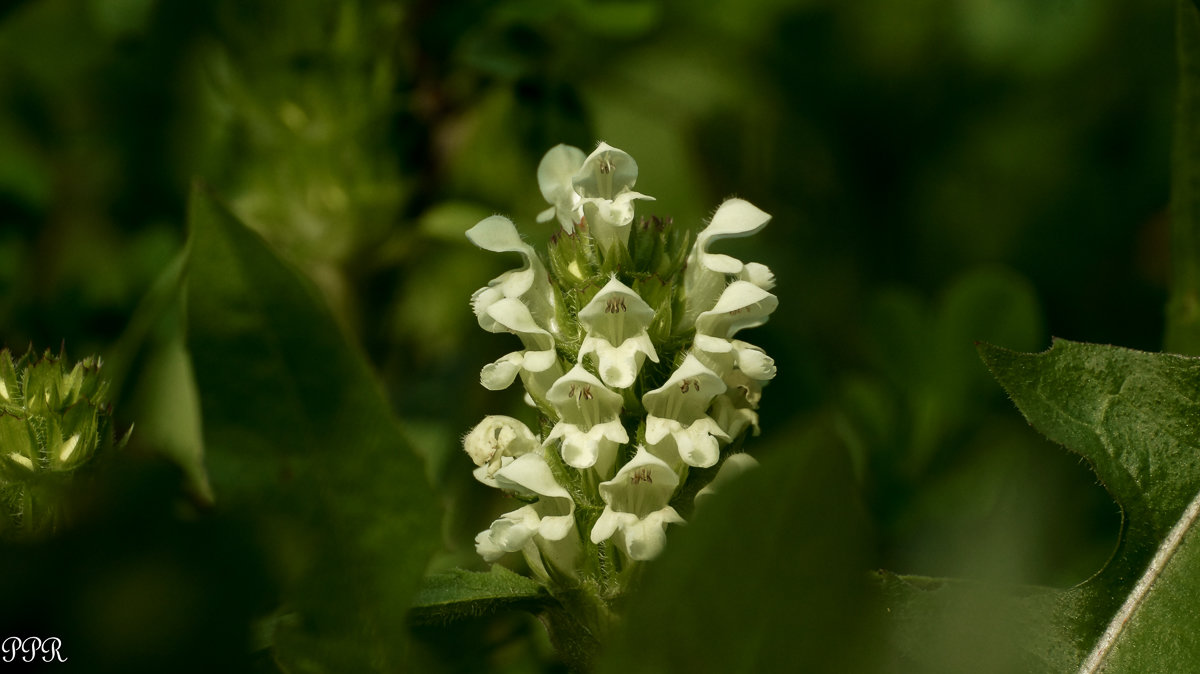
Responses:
[529,284]
[582,399]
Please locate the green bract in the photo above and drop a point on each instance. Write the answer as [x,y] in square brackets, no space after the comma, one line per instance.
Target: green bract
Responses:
[53,422]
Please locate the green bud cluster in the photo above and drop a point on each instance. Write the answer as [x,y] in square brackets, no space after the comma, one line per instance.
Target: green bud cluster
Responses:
[54,422]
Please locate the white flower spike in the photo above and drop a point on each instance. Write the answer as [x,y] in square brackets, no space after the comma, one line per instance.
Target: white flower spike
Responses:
[635,383]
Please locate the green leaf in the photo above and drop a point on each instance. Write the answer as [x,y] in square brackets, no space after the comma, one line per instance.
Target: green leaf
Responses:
[299,437]
[768,576]
[953,625]
[1131,415]
[458,593]
[152,364]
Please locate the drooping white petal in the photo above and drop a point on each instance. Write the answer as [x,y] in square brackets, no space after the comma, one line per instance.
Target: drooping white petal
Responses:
[500,375]
[513,316]
[605,173]
[595,447]
[539,356]
[555,173]
[529,284]
[486,547]
[753,361]
[549,519]
[530,475]
[589,425]
[742,305]
[706,272]
[510,533]
[636,513]
[538,369]
[696,444]
[726,356]
[619,365]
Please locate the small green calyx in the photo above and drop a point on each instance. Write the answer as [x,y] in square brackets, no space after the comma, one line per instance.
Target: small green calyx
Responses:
[54,421]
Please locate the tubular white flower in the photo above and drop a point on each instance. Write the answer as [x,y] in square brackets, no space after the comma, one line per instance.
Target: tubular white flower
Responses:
[743,367]
[495,442]
[537,364]
[616,321]
[742,305]
[677,422]
[706,272]
[725,355]
[555,173]
[528,529]
[589,420]
[733,418]
[529,284]
[733,467]
[636,513]
[609,219]
[605,173]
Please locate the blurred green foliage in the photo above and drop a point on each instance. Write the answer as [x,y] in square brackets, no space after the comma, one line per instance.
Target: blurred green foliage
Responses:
[939,172]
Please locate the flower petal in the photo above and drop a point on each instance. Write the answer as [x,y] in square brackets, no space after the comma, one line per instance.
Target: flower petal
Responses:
[582,399]
[706,272]
[499,375]
[530,475]
[555,173]
[495,438]
[742,305]
[605,173]
[758,274]
[499,235]
[515,317]
[687,394]
[645,539]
